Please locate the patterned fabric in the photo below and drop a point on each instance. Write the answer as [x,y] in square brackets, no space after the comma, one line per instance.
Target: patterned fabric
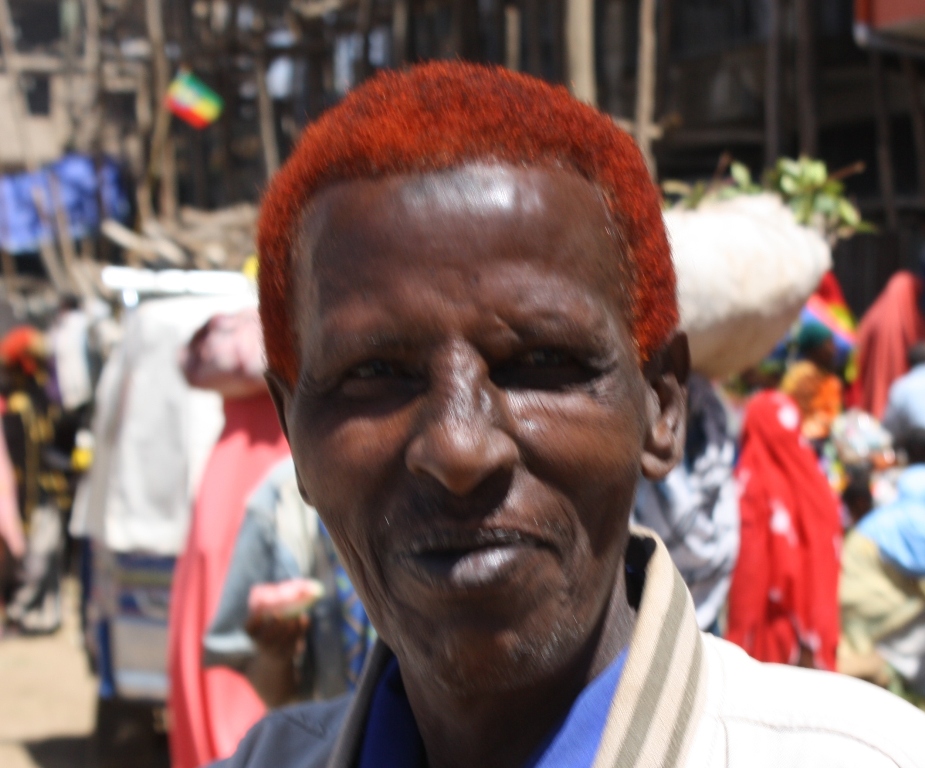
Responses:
[783,603]
[358,633]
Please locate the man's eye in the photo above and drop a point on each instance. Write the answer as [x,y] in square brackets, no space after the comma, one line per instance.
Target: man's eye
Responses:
[373,369]
[544,358]
[545,368]
[380,380]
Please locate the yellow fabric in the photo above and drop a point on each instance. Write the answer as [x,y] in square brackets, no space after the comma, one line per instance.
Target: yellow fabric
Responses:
[875,598]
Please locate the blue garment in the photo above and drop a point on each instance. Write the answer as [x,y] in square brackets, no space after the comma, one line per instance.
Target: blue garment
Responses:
[898,529]
[905,408]
[392,739]
[82,189]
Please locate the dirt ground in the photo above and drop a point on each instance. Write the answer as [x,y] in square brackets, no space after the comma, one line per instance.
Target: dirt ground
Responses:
[48,707]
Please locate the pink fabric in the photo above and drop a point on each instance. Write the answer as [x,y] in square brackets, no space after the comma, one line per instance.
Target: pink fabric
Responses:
[888,330]
[10,523]
[212,709]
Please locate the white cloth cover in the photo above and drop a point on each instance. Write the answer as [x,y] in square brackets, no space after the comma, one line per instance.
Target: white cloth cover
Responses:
[69,342]
[745,269]
[153,432]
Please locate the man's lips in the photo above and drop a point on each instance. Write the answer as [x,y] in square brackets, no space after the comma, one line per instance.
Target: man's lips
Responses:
[471,560]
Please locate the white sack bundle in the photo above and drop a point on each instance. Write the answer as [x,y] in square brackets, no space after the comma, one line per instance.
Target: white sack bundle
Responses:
[745,269]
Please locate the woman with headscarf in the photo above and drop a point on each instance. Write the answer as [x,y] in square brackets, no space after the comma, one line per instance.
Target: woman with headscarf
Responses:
[211,709]
[891,327]
[783,604]
[812,383]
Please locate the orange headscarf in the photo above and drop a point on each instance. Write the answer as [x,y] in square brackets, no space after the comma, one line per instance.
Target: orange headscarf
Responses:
[23,347]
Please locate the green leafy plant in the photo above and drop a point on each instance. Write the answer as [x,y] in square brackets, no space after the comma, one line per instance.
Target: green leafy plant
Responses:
[816,197]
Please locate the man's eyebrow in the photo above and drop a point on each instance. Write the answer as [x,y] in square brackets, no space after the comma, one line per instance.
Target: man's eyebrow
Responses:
[340,345]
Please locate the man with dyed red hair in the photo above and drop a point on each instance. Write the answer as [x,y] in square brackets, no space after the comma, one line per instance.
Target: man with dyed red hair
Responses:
[470,317]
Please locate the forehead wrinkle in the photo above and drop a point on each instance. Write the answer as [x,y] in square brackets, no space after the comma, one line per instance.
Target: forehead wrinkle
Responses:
[465,187]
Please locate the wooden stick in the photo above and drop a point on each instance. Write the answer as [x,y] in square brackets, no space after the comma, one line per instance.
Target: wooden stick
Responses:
[363,26]
[772,85]
[400,20]
[512,37]
[917,114]
[807,122]
[531,13]
[663,54]
[49,255]
[157,167]
[579,49]
[267,118]
[9,273]
[884,140]
[645,83]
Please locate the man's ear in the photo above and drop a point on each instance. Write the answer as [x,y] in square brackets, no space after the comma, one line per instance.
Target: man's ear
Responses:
[281,395]
[666,375]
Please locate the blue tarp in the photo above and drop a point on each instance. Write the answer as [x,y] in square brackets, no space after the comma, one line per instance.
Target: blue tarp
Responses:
[81,188]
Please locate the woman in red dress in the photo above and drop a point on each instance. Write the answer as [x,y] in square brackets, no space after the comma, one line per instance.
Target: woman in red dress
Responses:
[783,604]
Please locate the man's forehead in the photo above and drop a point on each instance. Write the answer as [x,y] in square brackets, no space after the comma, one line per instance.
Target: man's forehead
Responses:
[369,235]
[480,188]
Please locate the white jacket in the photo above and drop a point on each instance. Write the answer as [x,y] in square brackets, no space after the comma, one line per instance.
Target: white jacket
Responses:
[770,715]
[693,700]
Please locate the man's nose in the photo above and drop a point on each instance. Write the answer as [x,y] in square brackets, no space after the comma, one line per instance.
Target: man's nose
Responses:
[461,442]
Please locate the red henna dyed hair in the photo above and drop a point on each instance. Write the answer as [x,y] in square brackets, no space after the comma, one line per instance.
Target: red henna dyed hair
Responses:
[443,115]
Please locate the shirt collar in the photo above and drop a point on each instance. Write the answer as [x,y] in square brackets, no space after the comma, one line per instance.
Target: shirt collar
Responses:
[659,702]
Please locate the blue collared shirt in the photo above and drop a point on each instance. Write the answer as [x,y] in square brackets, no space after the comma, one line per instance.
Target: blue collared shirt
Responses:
[392,739]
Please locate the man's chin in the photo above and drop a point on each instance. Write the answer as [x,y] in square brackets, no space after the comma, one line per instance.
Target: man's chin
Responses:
[465,664]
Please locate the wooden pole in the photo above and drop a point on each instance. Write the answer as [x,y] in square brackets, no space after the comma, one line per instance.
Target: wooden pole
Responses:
[93,63]
[558,65]
[66,241]
[400,21]
[807,123]
[363,26]
[158,167]
[663,54]
[772,85]
[534,60]
[20,115]
[464,31]
[267,118]
[579,49]
[914,86]
[512,37]
[645,83]
[884,140]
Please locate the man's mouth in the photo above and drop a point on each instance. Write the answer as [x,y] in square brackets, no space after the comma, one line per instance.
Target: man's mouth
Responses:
[471,560]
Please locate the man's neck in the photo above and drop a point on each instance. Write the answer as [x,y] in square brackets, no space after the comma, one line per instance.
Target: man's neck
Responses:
[505,729]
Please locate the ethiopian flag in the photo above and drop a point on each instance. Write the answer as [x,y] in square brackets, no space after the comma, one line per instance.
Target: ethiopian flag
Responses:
[193,101]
